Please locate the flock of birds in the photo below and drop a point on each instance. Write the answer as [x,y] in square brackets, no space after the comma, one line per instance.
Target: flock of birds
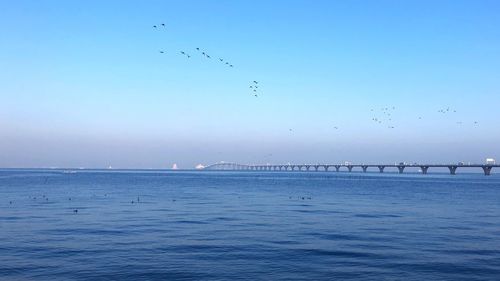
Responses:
[254,87]
[383,117]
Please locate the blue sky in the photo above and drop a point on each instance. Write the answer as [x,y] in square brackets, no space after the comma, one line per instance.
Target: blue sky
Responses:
[82,83]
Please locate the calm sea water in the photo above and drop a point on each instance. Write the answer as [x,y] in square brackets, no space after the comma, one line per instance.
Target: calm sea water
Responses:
[248,226]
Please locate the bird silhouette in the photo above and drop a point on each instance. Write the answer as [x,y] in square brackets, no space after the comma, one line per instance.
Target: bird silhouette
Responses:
[221,59]
[155,26]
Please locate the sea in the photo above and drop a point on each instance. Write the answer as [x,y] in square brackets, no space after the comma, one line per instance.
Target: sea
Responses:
[230,225]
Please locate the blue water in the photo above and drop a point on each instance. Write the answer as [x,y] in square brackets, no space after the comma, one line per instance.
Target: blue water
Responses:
[248,226]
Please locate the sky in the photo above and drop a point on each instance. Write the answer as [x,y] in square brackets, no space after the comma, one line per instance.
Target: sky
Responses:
[83,83]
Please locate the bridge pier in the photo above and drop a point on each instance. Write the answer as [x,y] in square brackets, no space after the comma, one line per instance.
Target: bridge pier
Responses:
[452,169]
[337,168]
[381,168]
[326,167]
[487,170]
[349,167]
[364,167]
[424,169]
[292,167]
[307,167]
[401,169]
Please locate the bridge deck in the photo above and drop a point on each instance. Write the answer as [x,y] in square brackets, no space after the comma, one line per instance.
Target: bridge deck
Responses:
[325,167]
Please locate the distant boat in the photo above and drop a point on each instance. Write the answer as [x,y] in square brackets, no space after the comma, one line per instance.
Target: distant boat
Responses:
[199,167]
[174,167]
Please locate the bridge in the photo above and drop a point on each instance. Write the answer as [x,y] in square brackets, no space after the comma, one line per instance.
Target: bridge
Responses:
[423,168]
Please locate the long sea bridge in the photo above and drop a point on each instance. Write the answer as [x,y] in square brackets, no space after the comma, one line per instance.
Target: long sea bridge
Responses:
[423,168]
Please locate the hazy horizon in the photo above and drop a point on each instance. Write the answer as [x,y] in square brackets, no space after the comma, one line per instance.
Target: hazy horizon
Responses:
[83,84]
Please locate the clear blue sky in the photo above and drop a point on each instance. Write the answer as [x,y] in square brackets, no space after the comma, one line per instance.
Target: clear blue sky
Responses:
[82,83]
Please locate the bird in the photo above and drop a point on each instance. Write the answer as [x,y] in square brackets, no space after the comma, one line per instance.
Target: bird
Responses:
[163,24]
[221,59]
[182,52]
[197,49]
[188,56]
[230,65]
[162,52]
[255,95]
[251,87]
[75,211]
[227,63]
[336,128]
[155,26]
[255,82]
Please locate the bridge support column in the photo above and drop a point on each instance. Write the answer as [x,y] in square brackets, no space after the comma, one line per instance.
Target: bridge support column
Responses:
[316,167]
[401,169]
[424,169]
[487,170]
[292,167]
[381,168]
[307,167]
[349,168]
[364,168]
[326,167]
[452,169]
[337,168]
